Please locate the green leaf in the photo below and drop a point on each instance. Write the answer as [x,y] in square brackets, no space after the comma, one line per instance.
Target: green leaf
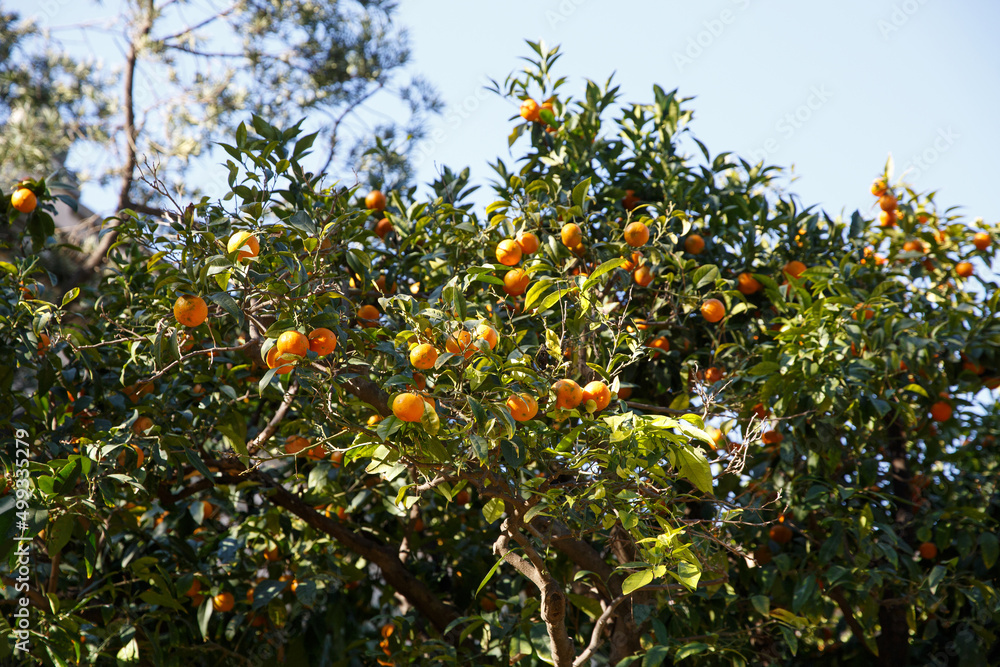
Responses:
[655,656]
[991,549]
[553,299]
[689,574]
[489,575]
[695,467]
[493,510]
[762,604]
[579,195]
[128,654]
[70,295]
[229,305]
[690,649]
[636,580]
[607,266]
[535,292]
[764,368]
[705,275]
[937,574]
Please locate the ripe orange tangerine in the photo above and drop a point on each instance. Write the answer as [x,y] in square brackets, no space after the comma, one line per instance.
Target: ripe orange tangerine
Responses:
[530,110]
[190,310]
[694,244]
[515,282]
[568,394]
[636,234]
[522,407]
[964,269]
[794,268]
[24,200]
[383,227]
[643,276]
[408,406]
[246,243]
[571,235]
[322,341]
[941,411]
[887,201]
[423,356]
[295,444]
[508,252]
[375,201]
[273,360]
[630,201]
[772,438]
[597,392]
[487,333]
[928,550]
[781,533]
[879,186]
[292,343]
[747,284]
[887,218]
[713,310]
[982,240]
[868,312]
[713,374]
[223,602]
[528,242]
[43,343]
[460,343]
[368,315]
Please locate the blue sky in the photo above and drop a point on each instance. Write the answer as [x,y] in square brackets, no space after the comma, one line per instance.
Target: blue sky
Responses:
[831,88]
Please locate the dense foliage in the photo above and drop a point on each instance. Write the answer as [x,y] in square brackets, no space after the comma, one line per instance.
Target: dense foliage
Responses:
[802,471]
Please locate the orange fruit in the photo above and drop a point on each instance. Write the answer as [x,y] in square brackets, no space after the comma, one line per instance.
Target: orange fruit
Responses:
[24,200]
[193,590]
[43,343]
[190,310]
[571,235]
[630,201]
[643,276]
[636,234]
[273,361]
[747,284]
[597,392]
[530,110]
[487,333]
[794,268]
[694,244]
[383,227]
[462,497]
[868,313]
[941,411]
[982,240]
[508,252]
[368,315]
[322,341]
[245,242]
[887,201]
[375,201]
[624,393]
[713,374]
[419,380]
[337,458]
[772,438]
[964,269]
[928,550]
[292,343]
[522,407]
[781,533]
[568,394]
[408,406]
[141,425]
[316,453]
[887,218]
[223,602]
[140,456]
[761,411]
[528,242]
[272,555]
[294,444]
[460,343]
[515,282]
[879,186]
[659,343]
[423,356]
[913,246]
[713,310]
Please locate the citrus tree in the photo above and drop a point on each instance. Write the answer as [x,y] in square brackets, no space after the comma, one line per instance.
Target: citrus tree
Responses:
[642,408]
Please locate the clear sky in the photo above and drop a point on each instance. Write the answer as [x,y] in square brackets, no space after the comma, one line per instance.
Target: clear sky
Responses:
[829,87]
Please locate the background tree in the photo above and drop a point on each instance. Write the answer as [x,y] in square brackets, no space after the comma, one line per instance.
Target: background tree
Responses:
[300,423]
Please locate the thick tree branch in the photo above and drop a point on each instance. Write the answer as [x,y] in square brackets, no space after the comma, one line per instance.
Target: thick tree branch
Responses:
[272,426]
[384,557]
